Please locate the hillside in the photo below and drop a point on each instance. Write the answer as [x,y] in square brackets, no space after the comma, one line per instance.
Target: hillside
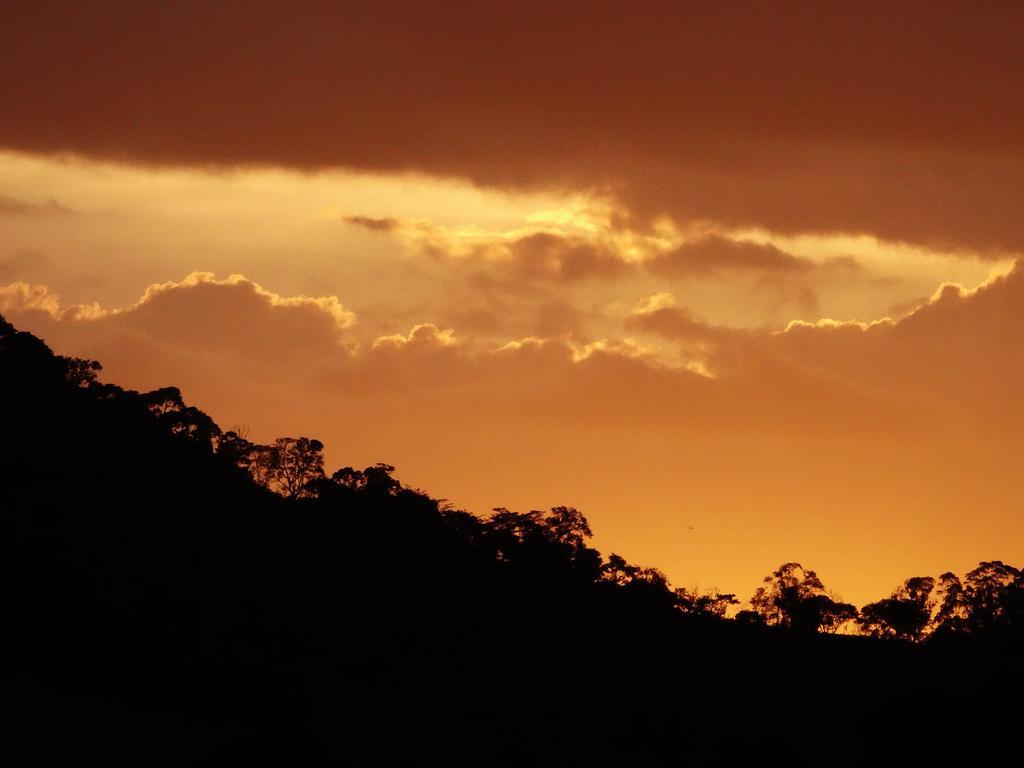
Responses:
[163,605]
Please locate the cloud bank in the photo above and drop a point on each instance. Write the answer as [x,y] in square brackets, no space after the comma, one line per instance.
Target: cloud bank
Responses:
[900,120]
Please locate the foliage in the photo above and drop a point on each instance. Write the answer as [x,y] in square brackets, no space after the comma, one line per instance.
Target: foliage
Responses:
[989,599]
[905,614]
[794,597]
[711,603]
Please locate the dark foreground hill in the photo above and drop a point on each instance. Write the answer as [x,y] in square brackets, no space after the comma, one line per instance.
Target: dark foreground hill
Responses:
[161,606]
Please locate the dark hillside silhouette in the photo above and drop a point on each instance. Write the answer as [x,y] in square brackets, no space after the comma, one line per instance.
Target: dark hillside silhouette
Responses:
[173,592]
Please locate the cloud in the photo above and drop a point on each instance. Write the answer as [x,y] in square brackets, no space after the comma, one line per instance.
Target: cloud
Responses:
[959,354]
[374,225]
[22,297]
[560,270]
[961,347]
[540,251]
[425,335]
[717,256]
[898,120]
[13,206]
[230,324]
[549,256]
[236,316]
[296,343]
[543,256]
[714,255]
[660,314]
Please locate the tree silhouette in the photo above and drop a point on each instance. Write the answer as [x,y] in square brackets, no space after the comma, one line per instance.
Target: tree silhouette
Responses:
[567,526]
[951,616]
[292,466]
[991,597]
[794,597]
[905,614]
[708,603]
[372,481]
[236,450]
[618,571]
[170,410]
[80,372]
[262,464]
[824,614]
[295,463]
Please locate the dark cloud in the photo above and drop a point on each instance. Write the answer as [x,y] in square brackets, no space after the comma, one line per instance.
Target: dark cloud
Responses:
[554,257]
[715,255]
[536,258]
[904,120]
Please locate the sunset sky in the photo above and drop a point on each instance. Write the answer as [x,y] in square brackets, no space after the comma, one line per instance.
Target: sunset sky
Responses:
[737,280]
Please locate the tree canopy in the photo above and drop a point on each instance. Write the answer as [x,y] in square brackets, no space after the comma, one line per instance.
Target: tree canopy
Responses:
[794,597]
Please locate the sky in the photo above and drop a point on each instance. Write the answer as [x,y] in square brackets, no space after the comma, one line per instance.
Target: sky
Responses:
[737,280]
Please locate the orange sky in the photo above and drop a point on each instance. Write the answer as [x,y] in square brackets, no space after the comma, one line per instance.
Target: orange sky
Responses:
[736,281]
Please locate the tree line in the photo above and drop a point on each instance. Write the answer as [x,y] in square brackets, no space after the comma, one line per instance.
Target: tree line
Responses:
[989,598]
